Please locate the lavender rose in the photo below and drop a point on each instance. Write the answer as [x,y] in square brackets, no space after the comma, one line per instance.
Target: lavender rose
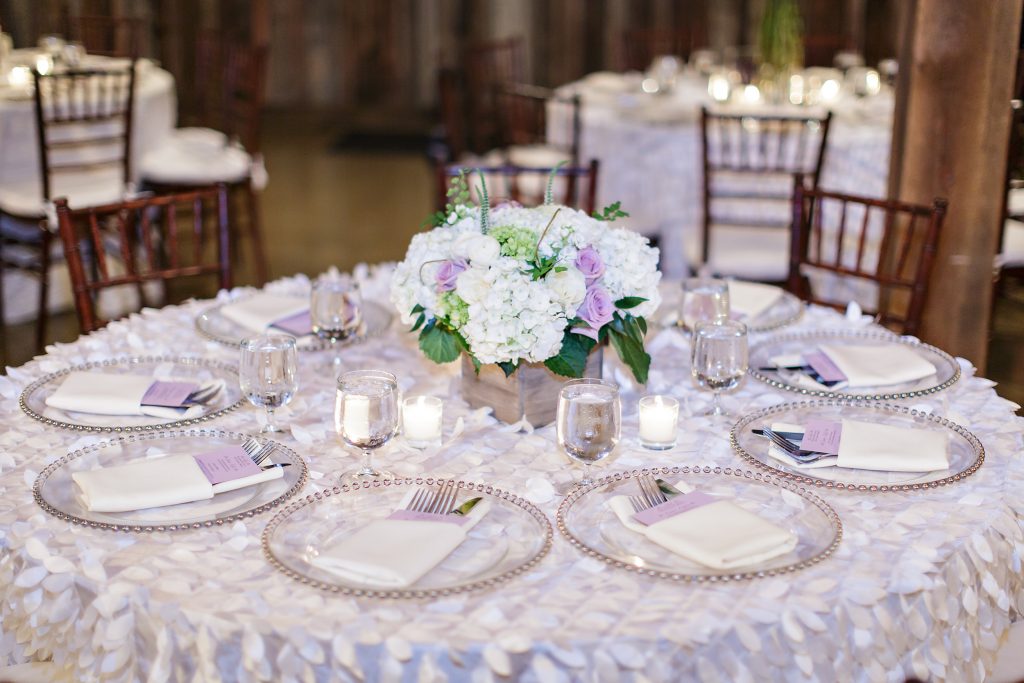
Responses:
[448,273]
[596,310]
[590,263]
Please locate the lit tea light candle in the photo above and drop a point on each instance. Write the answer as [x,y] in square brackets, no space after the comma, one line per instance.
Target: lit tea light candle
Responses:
[829,90]
[20,76]
[751,94]
[44,64]
[796,89]
[422,420]
[719,87]
[659,416]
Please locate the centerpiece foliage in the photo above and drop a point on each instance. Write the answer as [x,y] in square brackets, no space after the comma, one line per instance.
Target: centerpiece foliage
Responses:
[512,284]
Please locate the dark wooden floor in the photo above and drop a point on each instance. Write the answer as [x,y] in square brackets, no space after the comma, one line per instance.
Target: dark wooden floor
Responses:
[326,207]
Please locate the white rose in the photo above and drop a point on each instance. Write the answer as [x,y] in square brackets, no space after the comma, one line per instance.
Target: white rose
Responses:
[472,285]
[482,250]
[568,288]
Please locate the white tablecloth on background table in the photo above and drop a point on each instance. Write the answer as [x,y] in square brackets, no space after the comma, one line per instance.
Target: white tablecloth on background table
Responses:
[154,117]
[649,147]
[923,584]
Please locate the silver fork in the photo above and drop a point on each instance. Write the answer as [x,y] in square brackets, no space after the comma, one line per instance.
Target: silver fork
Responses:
[651,491]
[257,451]
[439,501]
[792,449]
[201,397]
[421,500]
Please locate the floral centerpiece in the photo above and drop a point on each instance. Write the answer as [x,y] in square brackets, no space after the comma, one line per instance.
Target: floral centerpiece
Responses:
[514,285]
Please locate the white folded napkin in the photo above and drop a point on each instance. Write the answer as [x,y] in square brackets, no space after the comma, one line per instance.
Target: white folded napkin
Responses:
[396,553]
[720,535]
[877,365]
[103,393]
[871,446]
[260,311]
[751,299]
[155,482]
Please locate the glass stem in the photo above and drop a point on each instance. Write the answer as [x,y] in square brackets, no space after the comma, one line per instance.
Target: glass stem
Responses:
[367,466]
[586,475]
[716,403]
[335,355]
[271,423]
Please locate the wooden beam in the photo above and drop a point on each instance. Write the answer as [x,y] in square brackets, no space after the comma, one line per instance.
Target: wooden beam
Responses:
[950,137]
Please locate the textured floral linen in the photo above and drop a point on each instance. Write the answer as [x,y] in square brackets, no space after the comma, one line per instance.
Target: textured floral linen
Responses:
[924,584]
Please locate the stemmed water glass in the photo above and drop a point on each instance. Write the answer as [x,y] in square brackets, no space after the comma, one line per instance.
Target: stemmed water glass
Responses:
[268,373]
[589,421]
[366,417]
[704,300]
[719,358]
[335,309]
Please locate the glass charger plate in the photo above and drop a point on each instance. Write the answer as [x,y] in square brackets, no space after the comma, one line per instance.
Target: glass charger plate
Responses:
[786,311]
[587,522]
[55,491]
[761,354]
[33,398]
[212,324]
[512,537]
[966,454]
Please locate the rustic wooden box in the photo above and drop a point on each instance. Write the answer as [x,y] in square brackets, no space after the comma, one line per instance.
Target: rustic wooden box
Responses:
[531,391]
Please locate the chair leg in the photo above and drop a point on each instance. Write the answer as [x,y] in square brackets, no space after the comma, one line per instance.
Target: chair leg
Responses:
[44,288]
[3,314]
[256,235]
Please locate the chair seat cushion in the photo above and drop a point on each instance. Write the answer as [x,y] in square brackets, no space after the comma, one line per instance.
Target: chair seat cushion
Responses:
[81,190]
[750,253]
[194,159]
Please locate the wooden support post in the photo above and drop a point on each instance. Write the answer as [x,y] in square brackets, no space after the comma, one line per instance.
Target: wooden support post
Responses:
[950,135]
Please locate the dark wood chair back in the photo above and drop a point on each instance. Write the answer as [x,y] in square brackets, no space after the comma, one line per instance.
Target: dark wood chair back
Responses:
[884,249]
[527,185]
[749,160]
[159,238]
[489,65]
[641,46]
[84,122]
[523,115]
[452,105]
[108,36]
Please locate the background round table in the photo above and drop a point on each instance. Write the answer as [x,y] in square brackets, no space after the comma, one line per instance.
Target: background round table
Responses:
[923,584]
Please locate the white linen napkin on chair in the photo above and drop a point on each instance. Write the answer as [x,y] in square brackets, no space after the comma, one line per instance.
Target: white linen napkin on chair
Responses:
[751,299]
[877,365]
[396,553]
[155,482]
[260,311]
[720,535]
[101,393]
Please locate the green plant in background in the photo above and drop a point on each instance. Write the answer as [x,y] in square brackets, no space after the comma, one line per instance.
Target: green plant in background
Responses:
[781,44]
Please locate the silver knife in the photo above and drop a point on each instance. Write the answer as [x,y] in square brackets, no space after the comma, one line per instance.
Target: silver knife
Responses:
[667,488]
[466,507]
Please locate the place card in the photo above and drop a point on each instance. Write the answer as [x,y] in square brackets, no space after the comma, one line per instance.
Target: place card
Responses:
[168,394]
[299,324]
[824,367]
[677,505]
[226,464]
[822,436]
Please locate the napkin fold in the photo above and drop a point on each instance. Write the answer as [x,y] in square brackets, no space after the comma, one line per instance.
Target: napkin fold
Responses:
[872,446]
[751,299]
[396,553]
[260,311]
[877,365]
[720,535]
[101,393]
[156,482]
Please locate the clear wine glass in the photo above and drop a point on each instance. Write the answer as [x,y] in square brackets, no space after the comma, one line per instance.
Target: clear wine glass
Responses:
[719,358]
[366,417]
[589,421]
[268,373]
[704,300]
[335,309]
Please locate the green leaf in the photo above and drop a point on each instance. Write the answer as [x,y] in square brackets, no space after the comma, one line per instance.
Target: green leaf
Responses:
[560,269]
[571,360]
[417,309]
[629,302]
[508,368]
[438,344]
[632,354]
[611,212]
[633,329]
[419,321]
[643,325]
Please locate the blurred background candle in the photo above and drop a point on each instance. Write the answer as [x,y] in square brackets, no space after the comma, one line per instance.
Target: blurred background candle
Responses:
[19,76]
[421,420]
[751,94]
[44,64]
[659,416]
[719,87]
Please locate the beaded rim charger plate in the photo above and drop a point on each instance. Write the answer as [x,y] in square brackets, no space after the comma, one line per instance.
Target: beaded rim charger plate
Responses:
[966,454]
[212,324]
[55,491]
[947,369]
[585,519]
[511,538]
[786,311]
[33,398]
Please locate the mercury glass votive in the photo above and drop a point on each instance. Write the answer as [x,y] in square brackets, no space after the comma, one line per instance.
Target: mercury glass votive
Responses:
[422,420]
[659,417]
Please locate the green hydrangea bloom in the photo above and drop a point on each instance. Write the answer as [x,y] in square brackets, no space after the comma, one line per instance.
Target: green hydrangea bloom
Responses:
[451,306]
[516,242]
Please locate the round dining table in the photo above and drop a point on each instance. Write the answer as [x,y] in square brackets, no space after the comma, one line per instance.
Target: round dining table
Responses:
[923,583]
[649,147]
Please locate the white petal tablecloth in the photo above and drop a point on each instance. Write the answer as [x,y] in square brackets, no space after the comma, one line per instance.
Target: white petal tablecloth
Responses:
[922,585]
